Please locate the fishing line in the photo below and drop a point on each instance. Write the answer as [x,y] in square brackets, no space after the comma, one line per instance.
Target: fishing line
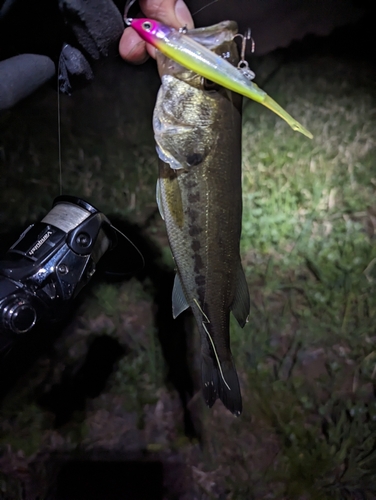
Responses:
[59,131]
[113,273]
[204,7]
[216,356]
[128,5]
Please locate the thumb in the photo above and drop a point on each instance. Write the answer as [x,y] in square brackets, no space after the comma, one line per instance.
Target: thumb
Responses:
[174,13]
[183,15]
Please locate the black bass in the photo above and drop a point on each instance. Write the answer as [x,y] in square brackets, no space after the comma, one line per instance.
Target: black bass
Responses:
[197,127]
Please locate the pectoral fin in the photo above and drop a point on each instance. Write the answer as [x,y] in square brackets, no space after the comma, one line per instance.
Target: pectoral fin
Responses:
[169,197]
[179,302]
[158,196]
[241,305]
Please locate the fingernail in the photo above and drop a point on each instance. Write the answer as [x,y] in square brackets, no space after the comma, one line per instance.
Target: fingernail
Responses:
[182,14]
[134,49]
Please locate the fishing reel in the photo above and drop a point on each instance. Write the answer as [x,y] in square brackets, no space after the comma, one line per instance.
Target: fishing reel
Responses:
[45,269]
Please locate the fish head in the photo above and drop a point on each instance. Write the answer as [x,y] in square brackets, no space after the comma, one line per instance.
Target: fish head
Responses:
[151,31]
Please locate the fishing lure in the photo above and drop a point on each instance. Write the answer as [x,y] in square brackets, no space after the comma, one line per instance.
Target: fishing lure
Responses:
[177,45]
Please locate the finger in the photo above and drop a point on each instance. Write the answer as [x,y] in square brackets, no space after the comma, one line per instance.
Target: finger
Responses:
[171,12]
[174,13]
[132,48]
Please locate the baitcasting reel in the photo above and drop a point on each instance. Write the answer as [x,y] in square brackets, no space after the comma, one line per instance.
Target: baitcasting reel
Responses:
[52,261]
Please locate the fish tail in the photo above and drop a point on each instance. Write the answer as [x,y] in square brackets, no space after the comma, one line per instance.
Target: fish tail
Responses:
[221,382]
[276,108]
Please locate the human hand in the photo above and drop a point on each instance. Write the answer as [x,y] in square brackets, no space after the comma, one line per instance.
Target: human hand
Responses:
[171,12]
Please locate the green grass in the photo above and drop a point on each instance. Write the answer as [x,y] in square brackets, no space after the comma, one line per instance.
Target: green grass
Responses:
[140,372]
[307,355]
[107,147]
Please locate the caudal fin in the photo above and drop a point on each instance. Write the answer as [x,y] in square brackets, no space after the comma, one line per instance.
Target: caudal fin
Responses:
[221,382]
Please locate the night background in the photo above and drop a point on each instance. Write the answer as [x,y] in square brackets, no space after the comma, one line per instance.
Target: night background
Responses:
[106,404]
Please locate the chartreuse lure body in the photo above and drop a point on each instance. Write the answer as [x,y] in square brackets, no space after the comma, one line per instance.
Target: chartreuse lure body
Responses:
[180,47]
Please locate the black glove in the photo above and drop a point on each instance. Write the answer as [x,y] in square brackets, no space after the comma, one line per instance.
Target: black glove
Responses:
[46,34]
[96,25]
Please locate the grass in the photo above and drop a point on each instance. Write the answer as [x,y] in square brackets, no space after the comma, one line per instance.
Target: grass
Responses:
[108,154]
[306,358]
[307,354]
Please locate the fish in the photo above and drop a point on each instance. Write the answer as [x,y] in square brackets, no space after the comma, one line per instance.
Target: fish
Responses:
[197,128]
[183,48]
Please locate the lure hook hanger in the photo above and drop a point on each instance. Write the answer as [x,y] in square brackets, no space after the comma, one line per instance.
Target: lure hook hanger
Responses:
[243,65]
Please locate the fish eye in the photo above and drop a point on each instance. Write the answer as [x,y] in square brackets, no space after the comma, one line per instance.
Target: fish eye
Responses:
[146,25]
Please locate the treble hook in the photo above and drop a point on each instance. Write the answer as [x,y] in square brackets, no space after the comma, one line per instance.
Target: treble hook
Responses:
[128,5]
[243,65]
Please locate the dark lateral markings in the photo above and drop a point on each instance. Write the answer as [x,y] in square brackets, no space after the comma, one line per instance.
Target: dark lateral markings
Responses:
[193,197]
[194,231]
[195,245]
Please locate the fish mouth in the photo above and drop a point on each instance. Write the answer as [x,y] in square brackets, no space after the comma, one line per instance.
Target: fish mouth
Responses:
[175,126]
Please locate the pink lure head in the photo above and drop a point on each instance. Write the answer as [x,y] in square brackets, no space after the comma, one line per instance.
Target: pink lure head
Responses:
[151,31]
